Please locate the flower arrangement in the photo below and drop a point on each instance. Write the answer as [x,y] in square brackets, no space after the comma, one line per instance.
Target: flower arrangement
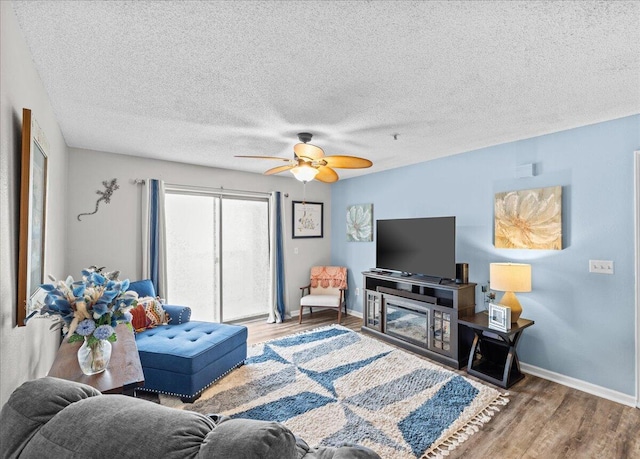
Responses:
[92,307]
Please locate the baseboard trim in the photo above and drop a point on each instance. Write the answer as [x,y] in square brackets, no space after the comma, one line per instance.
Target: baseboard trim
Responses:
[584,386]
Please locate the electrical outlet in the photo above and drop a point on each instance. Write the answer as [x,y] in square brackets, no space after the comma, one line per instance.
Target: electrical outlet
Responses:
[357,291]
[295,251]
[601,266]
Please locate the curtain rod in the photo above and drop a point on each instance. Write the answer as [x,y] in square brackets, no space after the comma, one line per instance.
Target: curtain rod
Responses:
[206,189]
[211,190]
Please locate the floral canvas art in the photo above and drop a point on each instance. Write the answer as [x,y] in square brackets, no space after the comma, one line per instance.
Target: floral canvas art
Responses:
[529,219]
[360,223]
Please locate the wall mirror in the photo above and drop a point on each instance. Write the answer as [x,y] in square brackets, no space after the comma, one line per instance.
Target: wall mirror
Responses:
[33,195]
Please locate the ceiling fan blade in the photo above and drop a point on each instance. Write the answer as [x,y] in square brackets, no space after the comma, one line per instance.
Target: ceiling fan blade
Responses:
[347,162]
[263,157]
[306,150]
[277,170]
[326,175]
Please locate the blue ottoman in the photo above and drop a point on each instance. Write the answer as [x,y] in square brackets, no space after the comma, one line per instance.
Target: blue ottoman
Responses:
[186,358]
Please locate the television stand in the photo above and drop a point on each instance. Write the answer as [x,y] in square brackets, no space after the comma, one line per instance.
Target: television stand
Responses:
[420,314]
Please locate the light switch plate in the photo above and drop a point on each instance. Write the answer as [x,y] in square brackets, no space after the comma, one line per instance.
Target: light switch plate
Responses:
[601,266]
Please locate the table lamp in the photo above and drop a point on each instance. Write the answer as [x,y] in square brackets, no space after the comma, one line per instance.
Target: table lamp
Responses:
[510,278]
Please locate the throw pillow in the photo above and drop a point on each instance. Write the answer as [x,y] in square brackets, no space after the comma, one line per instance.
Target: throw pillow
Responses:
[154,311]
[139,322]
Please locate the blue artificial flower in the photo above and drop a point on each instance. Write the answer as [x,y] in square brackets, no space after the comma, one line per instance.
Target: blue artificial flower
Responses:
[101,307]
[98,279]
[86,327]
[56,305]
[61,304]
[78,291]
[122,302]
[103,332]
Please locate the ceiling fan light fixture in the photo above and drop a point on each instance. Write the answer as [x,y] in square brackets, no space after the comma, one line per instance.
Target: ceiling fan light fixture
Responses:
[310,163]
[304,172]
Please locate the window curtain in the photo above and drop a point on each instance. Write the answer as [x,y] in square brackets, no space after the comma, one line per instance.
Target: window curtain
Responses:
[276,259]
[154,251]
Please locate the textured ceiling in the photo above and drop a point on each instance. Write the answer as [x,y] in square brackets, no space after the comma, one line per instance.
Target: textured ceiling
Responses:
[200,82]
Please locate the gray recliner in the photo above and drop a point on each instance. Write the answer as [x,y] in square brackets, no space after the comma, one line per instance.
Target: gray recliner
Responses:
[51,417]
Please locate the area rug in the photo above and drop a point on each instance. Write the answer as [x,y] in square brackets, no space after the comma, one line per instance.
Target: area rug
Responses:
[333,386]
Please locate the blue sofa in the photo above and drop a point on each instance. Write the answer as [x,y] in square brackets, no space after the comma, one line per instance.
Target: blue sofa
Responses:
[185,357]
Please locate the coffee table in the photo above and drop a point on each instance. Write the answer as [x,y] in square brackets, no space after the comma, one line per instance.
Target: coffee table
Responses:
[123,374]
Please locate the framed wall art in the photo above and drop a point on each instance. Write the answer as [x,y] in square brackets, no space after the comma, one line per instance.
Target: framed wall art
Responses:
[33,204]
[529,219]
[499,317]
[360,223]
[307,219]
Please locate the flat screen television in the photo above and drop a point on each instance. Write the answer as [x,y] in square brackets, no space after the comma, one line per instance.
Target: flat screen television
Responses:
[419,246]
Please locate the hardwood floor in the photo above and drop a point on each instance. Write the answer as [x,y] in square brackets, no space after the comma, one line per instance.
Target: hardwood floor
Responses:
[260,330]
[542,420]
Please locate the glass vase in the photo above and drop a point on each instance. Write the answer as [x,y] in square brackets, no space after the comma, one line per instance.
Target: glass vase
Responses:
[94,358]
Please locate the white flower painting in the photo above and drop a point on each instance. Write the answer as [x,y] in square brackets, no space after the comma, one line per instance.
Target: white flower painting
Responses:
[529,219]
[360,223]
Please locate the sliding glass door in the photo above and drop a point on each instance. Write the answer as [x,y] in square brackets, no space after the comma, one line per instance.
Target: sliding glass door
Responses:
[244,260]
[218,254]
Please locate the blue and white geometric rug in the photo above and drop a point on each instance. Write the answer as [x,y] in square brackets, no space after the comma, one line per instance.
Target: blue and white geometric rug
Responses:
[333,386]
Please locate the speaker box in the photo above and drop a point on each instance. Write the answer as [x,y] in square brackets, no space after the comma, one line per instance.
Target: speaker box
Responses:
[462,273]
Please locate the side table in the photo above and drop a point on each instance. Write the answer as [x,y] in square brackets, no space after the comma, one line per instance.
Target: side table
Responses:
[493,355]
[123,374]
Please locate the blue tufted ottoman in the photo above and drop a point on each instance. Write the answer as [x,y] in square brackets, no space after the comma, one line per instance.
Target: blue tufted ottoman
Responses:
[185,358]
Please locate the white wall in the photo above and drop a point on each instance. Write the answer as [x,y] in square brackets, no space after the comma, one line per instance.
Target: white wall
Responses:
[26,352]
[112,236]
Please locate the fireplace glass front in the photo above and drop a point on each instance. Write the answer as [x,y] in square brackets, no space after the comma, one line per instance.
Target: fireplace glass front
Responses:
[407,320]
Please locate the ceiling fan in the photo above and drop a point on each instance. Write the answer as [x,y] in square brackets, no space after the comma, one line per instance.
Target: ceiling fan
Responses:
[309,162]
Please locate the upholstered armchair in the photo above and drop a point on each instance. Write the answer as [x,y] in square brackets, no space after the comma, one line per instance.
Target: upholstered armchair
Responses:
[325,290]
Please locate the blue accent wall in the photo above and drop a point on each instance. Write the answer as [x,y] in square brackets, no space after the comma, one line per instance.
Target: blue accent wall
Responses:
[585,323]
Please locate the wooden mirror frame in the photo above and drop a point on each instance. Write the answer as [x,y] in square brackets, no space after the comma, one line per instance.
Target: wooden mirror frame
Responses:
[33,206]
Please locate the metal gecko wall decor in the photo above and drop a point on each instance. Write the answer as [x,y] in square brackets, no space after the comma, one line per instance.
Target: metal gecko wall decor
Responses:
[110,187]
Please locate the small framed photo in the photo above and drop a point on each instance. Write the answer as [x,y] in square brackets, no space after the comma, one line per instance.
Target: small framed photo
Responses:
[499,317]
[307,219]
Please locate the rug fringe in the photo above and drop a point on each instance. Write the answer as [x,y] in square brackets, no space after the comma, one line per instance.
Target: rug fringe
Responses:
[455,439]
